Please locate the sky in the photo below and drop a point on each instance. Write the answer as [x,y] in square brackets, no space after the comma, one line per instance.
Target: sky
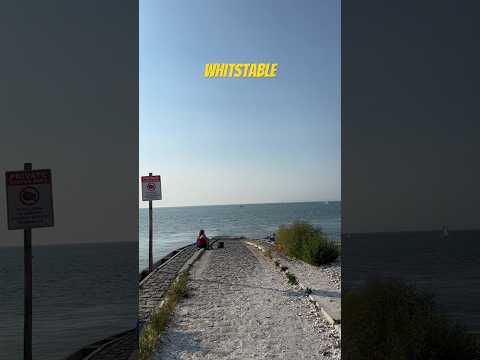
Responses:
[228,141]
[65,106]
[409,116]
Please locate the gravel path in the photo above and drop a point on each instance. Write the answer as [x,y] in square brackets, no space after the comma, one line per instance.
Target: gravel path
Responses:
[240,307]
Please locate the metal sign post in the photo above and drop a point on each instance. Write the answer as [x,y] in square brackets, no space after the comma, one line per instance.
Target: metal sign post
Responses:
[27,260]
[29,205]
[151,190]
[150,234]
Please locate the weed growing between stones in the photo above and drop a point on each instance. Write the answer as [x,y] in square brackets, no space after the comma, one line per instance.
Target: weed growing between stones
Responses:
[268,253]
[284,268]
[277,263]
[159,320]
[292,279]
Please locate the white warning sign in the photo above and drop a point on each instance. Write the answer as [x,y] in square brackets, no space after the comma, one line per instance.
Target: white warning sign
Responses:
[151,188]
[29,199]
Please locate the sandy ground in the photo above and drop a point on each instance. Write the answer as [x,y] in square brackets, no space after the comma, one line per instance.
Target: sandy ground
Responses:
[240,307]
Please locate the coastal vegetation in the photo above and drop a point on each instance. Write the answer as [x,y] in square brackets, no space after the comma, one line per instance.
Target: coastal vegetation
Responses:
[388,319]
[305,242]
[161,316]
[292,279]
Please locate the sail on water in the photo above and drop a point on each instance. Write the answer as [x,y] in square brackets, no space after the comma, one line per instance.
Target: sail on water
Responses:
[444,232]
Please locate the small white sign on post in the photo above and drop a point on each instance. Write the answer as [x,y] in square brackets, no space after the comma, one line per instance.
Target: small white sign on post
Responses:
[29,199]
[151,188]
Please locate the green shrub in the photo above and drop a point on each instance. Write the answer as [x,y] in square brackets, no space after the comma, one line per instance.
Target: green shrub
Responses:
[292,279]
[305,242]
[387,319]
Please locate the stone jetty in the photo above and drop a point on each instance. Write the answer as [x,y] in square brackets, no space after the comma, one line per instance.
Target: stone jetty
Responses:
[240,305]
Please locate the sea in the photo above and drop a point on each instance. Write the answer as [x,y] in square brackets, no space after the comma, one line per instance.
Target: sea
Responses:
[81,294]
[448,268]
[179,226]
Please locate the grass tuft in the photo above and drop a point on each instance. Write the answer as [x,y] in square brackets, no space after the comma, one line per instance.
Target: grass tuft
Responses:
[161,316]
[292,279]
[268,253]
[277,263]
[303,241]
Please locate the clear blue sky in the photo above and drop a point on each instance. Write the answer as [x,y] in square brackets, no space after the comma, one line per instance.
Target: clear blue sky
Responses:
[224,141]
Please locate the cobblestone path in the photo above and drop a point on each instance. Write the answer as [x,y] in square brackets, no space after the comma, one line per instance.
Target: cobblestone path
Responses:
[153,288]
[150,294]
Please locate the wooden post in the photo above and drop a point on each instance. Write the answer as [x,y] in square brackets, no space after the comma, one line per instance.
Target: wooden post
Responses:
[27,259]
[150,235]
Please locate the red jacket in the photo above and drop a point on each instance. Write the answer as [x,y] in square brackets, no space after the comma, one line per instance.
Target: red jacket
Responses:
[201,241]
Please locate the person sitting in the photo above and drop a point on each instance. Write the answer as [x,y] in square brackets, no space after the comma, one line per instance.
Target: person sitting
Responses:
[202,240]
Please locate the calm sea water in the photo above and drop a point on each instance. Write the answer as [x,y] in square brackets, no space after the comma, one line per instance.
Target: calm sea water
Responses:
[175,227]
[81,294]
[449,269]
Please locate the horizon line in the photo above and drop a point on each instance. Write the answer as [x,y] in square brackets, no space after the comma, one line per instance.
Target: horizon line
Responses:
[233,204]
